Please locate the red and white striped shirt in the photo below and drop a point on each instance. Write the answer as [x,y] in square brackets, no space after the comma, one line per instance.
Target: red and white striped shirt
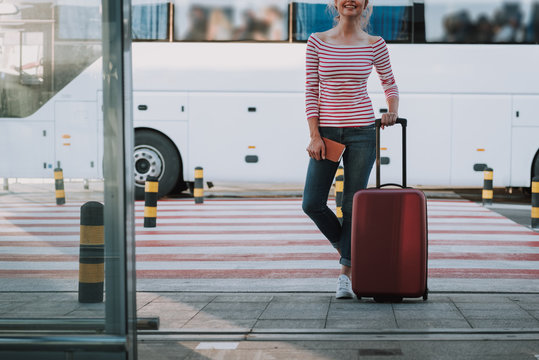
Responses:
[336,81]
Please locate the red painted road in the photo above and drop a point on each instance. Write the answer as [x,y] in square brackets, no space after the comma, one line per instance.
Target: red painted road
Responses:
[258,239]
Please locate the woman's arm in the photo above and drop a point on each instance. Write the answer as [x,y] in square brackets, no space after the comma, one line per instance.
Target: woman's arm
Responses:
[311,79]
[389,118]
[383,68]
[316,148]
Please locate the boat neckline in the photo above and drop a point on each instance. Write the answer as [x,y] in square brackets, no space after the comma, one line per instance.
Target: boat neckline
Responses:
[340,45]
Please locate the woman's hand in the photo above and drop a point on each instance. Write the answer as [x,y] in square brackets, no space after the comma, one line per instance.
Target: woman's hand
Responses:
[389,119]
[317,148]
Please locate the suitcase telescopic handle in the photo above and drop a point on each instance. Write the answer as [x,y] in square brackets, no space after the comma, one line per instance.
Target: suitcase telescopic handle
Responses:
[403,123]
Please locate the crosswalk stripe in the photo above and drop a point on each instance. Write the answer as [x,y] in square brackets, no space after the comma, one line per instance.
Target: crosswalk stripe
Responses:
[267,256]
[266,238]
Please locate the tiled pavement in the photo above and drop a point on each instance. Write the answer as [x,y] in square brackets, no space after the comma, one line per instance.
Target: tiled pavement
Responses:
[323,311]
[343,350]
[180,311]
[312,325]
[317,326]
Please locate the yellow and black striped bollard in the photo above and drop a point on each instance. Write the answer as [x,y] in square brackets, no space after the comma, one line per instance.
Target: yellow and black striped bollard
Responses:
[488,193]
[199,185]
[339,187]
[91,258]
[340,171]
[151,189]
[59,186]
[535,203]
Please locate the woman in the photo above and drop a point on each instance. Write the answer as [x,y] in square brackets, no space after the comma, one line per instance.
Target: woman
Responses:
[339,62]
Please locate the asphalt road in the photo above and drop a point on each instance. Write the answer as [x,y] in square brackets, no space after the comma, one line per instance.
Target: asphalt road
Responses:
[515,205]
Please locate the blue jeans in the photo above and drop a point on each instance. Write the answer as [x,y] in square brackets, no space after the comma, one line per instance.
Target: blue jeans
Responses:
[358,159]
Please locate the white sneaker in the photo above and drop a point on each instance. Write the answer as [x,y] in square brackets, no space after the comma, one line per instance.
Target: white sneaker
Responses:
[344,288]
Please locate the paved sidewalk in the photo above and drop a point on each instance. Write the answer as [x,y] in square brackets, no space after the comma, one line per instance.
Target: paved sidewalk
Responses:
[316,326]
[323,311]
[212,311]
[312,325]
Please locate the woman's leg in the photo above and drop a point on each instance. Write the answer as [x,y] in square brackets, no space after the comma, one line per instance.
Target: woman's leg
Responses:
[320,175]
[358,161]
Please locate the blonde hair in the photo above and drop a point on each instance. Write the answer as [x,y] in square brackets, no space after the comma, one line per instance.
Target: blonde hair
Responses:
[365,15]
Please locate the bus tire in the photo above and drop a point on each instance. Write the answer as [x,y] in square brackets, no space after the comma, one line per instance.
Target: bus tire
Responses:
[191,187]
[535,167]
[156,155]
[534,172]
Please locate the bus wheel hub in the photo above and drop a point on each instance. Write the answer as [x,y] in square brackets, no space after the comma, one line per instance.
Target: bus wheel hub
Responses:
[147,163]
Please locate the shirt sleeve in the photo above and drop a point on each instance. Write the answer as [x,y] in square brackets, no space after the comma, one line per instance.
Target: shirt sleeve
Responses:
[311,79]
[383,68]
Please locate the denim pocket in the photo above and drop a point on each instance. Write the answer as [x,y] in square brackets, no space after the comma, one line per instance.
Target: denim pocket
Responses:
[362,136]
[367,128]
[333,133]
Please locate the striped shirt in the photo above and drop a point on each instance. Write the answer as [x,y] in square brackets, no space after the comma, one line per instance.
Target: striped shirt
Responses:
[336,81]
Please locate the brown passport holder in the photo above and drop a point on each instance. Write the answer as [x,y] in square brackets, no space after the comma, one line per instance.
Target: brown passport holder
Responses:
[334,149]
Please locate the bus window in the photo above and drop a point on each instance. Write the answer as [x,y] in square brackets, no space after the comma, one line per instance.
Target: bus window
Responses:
[393,23]
[21,71]
[78,40]
[482,21]
[149,21]
[79,22]
[237,20]
[391,20]
[24,69]
[41,51]
[310,18]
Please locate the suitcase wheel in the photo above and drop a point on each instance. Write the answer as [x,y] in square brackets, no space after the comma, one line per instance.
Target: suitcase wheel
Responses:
[388,299]
[426,295]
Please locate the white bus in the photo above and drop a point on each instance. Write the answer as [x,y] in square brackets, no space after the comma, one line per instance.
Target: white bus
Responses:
[220,84]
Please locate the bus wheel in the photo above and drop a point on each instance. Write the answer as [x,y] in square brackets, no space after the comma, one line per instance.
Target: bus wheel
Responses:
[535,168]
[527,191]
[155,155]
[191,187]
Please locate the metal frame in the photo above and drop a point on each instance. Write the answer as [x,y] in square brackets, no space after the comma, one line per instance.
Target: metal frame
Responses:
[120,305]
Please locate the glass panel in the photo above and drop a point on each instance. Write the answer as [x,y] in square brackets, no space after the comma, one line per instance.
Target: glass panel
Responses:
[482,21]
[150,20]
[237,20]
[47,47]
[389,19]
[58,242]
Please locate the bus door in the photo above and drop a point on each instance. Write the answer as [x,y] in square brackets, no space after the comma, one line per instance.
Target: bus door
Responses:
[76,138]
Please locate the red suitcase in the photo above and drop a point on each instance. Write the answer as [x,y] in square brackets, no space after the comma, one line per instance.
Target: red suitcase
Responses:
[389,238]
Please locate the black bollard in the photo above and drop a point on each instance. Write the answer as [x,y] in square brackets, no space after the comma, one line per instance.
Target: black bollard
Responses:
[488,193]
[92,251]
[535,203]
[199,185]
[59,186]
[151,189]
[339,187]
